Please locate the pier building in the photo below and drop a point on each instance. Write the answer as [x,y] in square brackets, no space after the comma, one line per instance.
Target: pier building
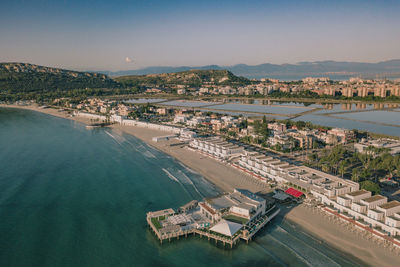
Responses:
[226,219]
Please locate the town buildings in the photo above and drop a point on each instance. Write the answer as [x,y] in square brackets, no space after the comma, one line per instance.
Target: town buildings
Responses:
[354,87]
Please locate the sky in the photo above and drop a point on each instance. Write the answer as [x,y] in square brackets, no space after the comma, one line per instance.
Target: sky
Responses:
[124,35]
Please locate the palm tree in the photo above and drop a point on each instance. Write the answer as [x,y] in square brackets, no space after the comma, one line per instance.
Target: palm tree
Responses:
[342,167]
[325,168]
[355,176]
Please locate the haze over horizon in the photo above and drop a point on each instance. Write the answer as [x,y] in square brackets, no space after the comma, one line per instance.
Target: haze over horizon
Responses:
[126,35]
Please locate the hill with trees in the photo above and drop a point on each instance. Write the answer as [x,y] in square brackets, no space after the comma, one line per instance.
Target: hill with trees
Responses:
[24,77]
[190,78]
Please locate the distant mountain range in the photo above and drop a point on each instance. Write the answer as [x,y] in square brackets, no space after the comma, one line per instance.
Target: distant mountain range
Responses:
[25,77]
[334,69]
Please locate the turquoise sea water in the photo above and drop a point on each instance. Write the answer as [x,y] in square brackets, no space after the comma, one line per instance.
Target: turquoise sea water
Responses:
[76,197]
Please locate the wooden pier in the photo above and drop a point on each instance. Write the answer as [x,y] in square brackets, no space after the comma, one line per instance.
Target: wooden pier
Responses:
[223,240]
[175,231]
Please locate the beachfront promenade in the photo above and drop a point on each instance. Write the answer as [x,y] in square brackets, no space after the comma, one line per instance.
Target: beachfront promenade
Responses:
[374,213]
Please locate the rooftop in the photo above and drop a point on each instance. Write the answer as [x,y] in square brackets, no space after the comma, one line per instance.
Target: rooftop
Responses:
[206,207]
[286,167]
[278,163]
[340,186]
[227,228]
[250,195]
[390,205]
[221,202]
[357,193]
[269,160]
[394,218]
[293,192]
[245,206]
[314,176]
[373,198]
[161,212]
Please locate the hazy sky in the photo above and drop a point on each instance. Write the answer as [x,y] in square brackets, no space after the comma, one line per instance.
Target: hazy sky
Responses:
[118,35]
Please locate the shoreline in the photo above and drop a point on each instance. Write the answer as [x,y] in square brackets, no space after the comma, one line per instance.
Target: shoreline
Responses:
[225,178]
[341,237]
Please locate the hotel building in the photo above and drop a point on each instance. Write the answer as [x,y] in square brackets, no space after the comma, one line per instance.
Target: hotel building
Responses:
[217,147]
[371,211]
[282,172]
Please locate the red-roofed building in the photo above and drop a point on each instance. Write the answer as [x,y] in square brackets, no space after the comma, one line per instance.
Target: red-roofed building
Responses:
[293,192]
[209,211]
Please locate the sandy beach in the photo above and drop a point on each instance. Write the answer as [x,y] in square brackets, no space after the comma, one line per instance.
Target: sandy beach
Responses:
[49,111]
[223,176]
[341,237]
[226,178]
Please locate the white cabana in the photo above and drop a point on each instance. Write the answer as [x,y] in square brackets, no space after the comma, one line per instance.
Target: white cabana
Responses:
[227,228]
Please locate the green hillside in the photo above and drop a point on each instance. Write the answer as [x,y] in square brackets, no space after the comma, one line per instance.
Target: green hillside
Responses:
[191,78]
[23,78]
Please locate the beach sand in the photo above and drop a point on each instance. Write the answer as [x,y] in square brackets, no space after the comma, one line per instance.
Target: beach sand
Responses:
[222,175]
[49,111]
[341,237]
[226,178]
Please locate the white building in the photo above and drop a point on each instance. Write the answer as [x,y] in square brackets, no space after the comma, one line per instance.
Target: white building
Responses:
[371,211]
[344,136]
[154,126]
[193,122]
[240,203]
[247,204]
[393,146]
[100,118]
[186,134]
[215,146]
[280,171]
[181,118]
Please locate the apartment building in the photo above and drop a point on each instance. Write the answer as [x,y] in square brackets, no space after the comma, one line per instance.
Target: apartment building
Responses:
[274,169]
[217,147]
[372,211]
